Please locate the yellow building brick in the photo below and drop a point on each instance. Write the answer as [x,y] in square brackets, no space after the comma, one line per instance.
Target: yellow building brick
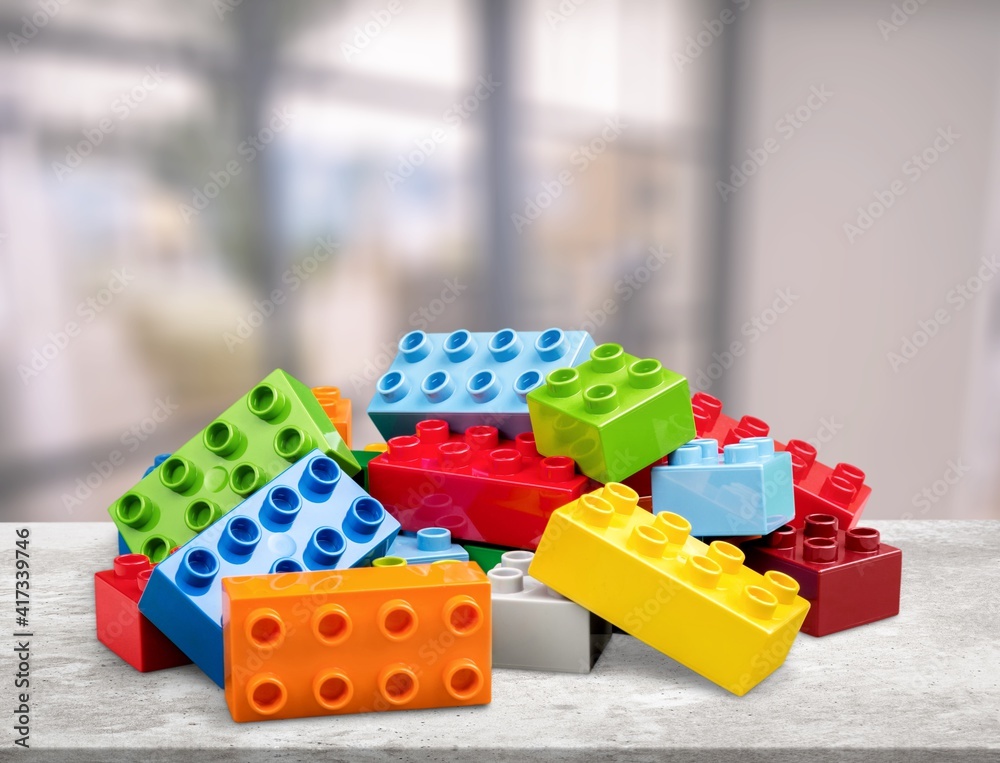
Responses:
[695,603]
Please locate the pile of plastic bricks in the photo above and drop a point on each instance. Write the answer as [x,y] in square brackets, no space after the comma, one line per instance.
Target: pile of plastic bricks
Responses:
[534,492]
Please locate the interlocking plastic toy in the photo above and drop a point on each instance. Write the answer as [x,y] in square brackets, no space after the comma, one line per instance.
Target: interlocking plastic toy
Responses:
[695,603]
[746,492]
[251,443]
[431,544]
[122,545]
[850,577]
[840,491]
[476,485]
[382,638]
[713,424]
[312,517]
[121,627]
[337,408]
[613,415]
[534,628]
[468,379]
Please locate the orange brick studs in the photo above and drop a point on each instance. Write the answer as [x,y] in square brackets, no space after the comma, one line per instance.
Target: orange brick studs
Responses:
[337,408]
[357,640]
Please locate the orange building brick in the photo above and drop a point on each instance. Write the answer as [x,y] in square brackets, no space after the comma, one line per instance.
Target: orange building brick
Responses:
[357,640]
[337,408]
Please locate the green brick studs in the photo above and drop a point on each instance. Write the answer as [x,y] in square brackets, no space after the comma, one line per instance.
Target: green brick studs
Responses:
[614,414]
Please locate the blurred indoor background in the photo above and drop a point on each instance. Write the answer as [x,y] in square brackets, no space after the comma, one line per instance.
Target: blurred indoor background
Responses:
[796,204]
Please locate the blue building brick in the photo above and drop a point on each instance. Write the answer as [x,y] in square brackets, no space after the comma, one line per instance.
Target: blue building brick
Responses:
[431,544]
[748,491]
[469,379]
[311,517]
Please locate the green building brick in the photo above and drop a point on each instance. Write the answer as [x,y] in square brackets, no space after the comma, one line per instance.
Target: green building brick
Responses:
[486,556]
[251,443]
[613,415]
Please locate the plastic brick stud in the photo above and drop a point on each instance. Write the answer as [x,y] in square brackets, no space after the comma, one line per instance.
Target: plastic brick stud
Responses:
[251,443]
[613,415]
[468,379]
[840,491]
[311,517]
[748,491]
[337,408]
[382,638]
[121,627]
[719,618]
[431,544]
[849,576]
[534,628]
[476,485]
[712,423]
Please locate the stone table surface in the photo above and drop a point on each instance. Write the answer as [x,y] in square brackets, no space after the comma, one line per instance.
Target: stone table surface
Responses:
[924,685]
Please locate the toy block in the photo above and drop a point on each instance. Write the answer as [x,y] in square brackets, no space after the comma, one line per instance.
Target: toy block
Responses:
[840,491]
[251,443]
[695,603]
[377,447]
[363,457]
[121,627]
[468,379]
[746,492]
[535,628]
[431,544]
[309,517]
[122,545]
[613,415]
[485,555]
[355,641]
[476,485]
[337,408]
[849,576]
[712,424]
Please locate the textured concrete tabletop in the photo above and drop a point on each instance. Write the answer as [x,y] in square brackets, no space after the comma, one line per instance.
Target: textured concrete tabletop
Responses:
[921,686]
